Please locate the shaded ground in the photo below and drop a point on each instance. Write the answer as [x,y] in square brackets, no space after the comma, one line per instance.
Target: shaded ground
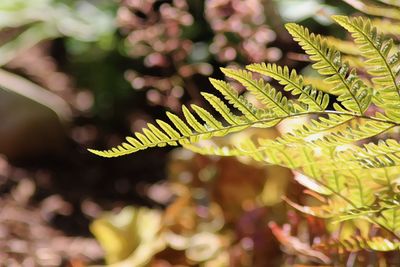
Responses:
[45,211]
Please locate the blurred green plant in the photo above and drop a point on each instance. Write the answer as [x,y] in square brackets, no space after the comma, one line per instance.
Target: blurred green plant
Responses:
[24,24]
[38,20]
[131,237]
[381,8]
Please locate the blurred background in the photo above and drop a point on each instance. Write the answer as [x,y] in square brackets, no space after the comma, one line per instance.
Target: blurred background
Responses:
[77,74]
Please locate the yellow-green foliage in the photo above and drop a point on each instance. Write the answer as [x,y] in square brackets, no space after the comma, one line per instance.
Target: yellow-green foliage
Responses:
[357,181]
[382,8]
[130,238]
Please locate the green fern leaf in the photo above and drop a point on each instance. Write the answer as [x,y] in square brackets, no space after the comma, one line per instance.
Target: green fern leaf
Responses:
[264,92]
[390,219]
[222,108]
[239,102]
[383,61]
[353,94]
[358,243]
[192,121]
[211,123]
[391,2]
[314,99]
[376,10]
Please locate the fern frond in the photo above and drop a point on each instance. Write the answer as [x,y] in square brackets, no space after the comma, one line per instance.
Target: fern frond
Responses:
[294,83]
[383,61]
[214,150]
[353,94]
[212,124]
[391,2]
[264,92]
[360,192]
[381,244]
[343,46]
[222,108]
[387,27]
[192,121]
[390,219]
[318,83]
[352,134]
[356,63]
[335,130]
[354,181]
[165,134]
[306,132]
[246,148]
[374,9]
[246,108]
[358,243]
[381,155]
